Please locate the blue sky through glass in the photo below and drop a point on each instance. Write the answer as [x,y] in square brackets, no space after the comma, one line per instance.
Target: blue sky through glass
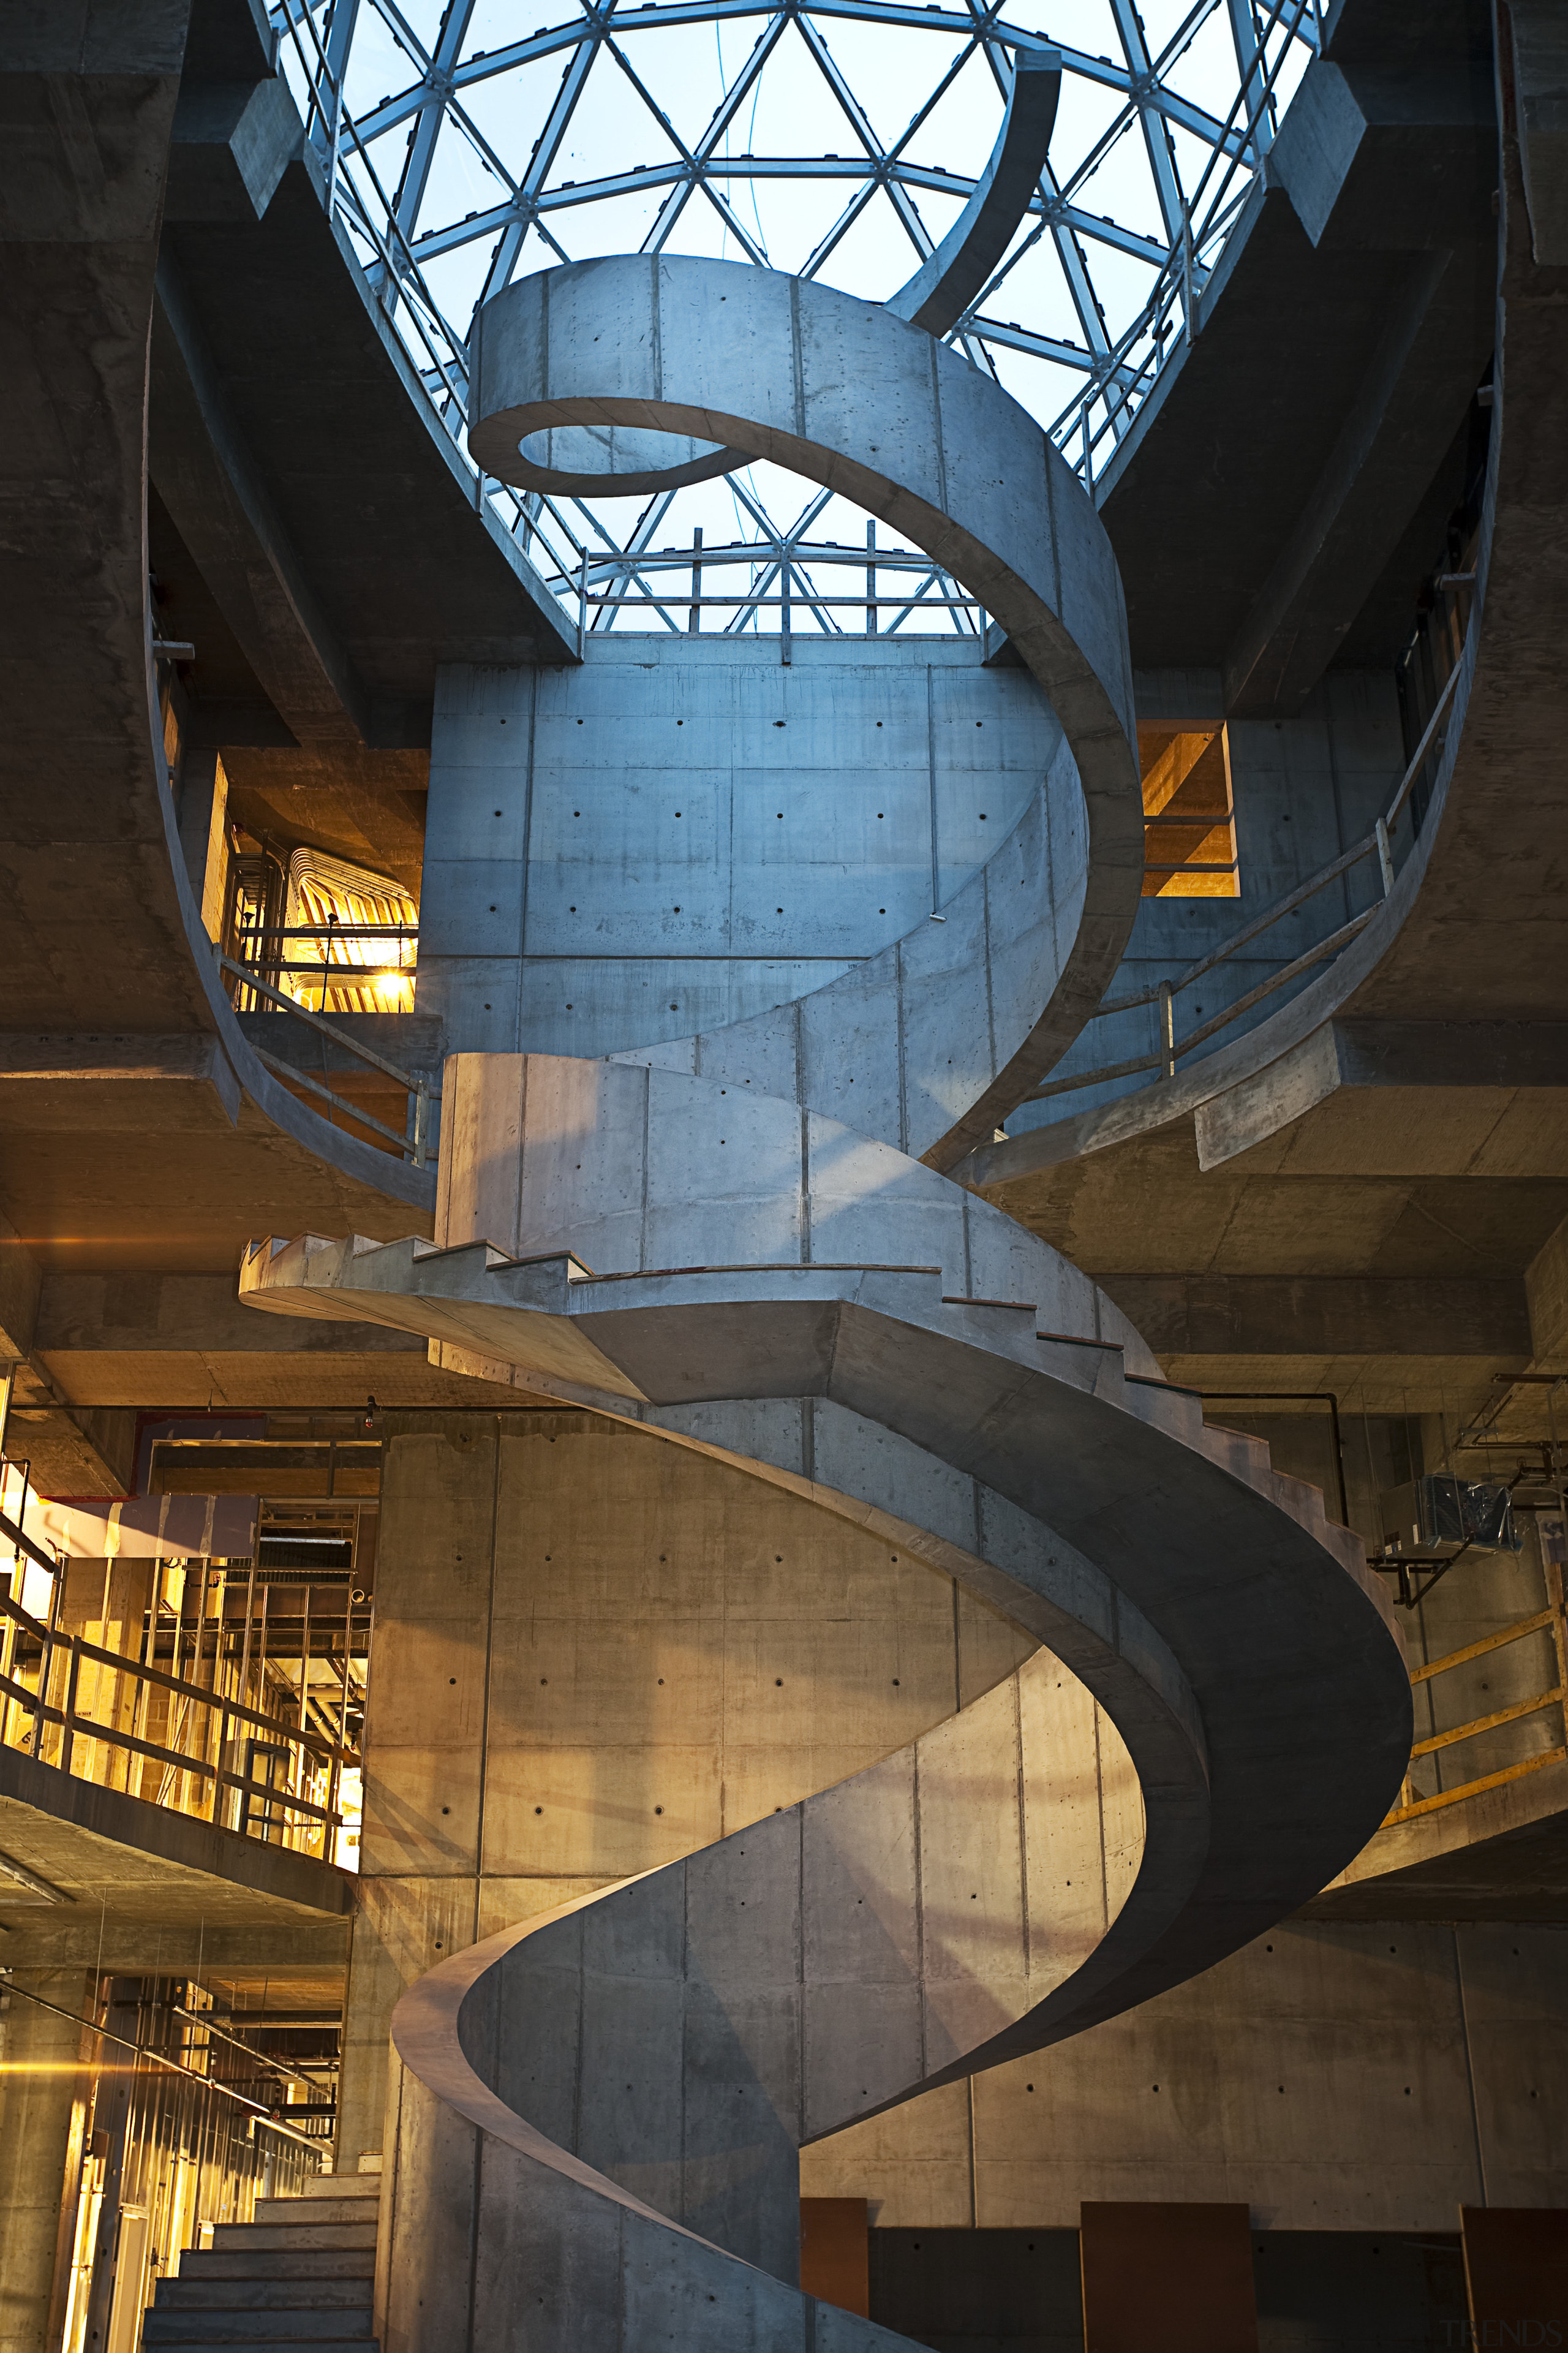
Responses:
[482,140]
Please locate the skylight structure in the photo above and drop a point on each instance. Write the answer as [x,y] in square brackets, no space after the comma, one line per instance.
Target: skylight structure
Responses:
[463,147]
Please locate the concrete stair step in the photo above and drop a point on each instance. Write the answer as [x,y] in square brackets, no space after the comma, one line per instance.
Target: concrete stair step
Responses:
[271,2294]
[214,2338]
[344,2236]
[250,2326]
[1300,1498]
[300,2211]
[337,2185]
[302,2264]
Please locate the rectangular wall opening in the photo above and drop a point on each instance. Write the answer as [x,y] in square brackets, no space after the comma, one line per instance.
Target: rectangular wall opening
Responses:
[1189,822]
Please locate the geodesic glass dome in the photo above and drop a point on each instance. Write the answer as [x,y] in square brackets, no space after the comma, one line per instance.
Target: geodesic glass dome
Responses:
[465,144]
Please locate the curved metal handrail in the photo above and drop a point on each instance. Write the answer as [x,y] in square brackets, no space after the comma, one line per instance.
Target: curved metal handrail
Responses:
[1378,843]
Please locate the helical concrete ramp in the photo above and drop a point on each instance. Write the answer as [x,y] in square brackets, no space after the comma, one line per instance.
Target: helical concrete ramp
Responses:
[596,2120]
[951,1026]
[637,461]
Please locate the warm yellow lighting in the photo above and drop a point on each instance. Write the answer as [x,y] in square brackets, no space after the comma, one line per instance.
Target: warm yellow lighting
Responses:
[1189,829]
[20,2067]
[366,912]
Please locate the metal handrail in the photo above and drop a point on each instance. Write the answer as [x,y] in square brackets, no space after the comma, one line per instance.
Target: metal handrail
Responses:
[332,930]
[1377,843]
[1410,1808]
[34,1702]
[264,2118]
[415,1148]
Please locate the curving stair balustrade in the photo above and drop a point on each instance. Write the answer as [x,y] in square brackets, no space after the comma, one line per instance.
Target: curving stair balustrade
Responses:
[744,1244]
[1469,873]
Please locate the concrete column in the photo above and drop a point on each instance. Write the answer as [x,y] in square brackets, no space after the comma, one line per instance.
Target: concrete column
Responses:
[596,1652]
[204,817]
[42,2104]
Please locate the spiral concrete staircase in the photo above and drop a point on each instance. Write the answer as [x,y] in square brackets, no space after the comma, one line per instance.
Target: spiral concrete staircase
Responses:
[745,1245]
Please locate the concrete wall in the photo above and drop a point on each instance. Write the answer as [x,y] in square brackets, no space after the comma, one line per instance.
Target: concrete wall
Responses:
[41,2080]
[1368,2076]
[596,1652]
[683,833]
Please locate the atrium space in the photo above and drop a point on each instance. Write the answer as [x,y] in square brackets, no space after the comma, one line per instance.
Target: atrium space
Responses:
[784,1177]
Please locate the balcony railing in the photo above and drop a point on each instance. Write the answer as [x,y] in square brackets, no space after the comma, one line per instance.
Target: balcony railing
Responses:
[265,960]
[197,1743]
[1382,843]
[1552,1696]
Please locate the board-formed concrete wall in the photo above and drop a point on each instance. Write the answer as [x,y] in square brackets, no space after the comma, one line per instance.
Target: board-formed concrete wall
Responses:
[683,833]
[1367,2076]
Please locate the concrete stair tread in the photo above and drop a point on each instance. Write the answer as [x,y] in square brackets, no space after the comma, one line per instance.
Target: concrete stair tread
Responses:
[256,2327]
[275,2343]
[188,2295]
[295,2211]
[334,2185]
[346,2236]
[301,2263]
[299,2273]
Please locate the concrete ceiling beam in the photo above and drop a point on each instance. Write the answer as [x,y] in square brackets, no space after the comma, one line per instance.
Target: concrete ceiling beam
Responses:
[215,490]
[1260,504]
[1359,1096]
[401,564]
[21,1287]
[1326,1316]
[1546,1294]
[69,1452]
[366,807]
[183,1340]
[99,1084]
[1378,156]
[1364,1097]
[233,141]
[80,1316]
[1402,164]
[1419,382]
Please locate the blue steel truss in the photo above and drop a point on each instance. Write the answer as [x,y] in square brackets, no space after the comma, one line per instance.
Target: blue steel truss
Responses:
[1169,126]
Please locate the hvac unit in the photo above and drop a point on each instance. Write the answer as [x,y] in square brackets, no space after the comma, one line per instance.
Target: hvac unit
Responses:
[1440,1513]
